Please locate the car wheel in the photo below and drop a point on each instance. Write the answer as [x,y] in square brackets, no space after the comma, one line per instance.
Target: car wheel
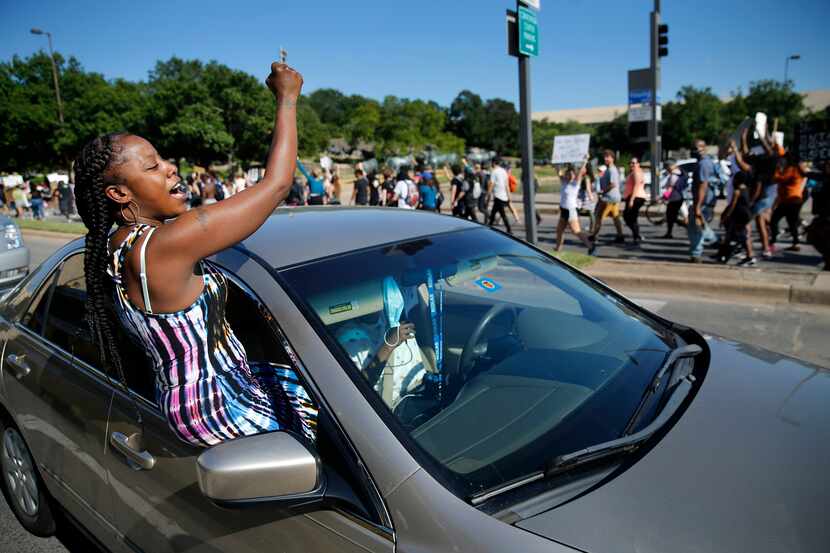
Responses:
[24,489]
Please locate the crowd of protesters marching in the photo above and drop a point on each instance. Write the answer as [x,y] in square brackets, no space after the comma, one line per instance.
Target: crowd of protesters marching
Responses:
[761,186]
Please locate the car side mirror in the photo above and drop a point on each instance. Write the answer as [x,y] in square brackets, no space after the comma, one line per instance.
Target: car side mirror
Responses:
[267,467]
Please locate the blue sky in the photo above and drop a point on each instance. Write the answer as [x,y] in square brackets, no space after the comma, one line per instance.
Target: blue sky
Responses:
[433,49]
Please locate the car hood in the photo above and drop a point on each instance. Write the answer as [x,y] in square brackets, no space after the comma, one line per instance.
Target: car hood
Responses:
[746,468]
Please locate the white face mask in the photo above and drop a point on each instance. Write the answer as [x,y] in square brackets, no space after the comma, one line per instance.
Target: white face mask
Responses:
[393,302]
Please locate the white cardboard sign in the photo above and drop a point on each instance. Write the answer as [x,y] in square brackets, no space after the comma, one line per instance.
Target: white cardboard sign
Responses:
[570,148]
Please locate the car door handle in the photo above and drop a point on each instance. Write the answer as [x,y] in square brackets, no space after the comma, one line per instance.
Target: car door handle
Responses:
[17,365]
[129,446]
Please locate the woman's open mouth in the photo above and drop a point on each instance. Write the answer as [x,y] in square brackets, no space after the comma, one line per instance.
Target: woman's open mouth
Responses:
[179,191]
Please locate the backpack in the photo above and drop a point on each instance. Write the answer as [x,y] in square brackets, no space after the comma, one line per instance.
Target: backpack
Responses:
[512,183]
[412,194]
[476,189]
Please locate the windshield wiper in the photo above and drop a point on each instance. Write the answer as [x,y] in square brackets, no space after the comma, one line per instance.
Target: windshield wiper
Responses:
[689,350]
[626,444]
[596,452]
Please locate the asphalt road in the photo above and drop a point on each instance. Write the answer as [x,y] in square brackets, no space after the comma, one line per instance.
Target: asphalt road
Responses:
[798,331]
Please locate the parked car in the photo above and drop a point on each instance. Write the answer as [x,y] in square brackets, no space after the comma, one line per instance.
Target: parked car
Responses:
[536,410]
[14,255]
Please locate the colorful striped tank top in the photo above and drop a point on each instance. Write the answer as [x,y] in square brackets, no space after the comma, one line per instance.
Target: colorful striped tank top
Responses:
[204,384]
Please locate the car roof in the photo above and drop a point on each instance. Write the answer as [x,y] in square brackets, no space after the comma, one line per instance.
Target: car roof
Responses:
[299,234]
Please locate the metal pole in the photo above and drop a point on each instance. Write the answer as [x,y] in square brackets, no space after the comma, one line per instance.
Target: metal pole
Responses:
[526,135]
[654,138]
[55,78]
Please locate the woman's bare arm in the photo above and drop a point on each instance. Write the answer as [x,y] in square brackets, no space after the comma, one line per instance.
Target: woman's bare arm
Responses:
[208,229]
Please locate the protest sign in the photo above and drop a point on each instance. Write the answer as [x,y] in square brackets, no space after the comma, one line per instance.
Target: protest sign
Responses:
[812,141]
[570,148]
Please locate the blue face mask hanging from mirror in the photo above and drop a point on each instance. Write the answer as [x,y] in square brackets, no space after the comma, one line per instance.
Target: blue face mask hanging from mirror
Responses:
[393,302]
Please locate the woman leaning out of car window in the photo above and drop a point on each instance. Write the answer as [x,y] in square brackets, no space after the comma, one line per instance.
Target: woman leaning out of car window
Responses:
[166,297]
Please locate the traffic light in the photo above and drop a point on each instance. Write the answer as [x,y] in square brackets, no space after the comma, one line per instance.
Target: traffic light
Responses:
[662,40]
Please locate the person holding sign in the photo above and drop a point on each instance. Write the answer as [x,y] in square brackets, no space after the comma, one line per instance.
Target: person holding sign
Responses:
[568,216]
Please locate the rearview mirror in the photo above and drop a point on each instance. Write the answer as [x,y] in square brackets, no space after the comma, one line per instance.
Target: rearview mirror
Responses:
[265,467]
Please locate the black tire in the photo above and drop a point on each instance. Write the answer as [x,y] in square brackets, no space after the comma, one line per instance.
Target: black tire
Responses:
[40,520]
[656,213]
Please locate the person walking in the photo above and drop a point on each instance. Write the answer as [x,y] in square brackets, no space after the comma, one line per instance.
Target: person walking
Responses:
[634,198]
[404,191]
[483,177]
[609,203]
[458,191]
[790,179]
[360,194]
[499,190]
[736,218]
[315,185]
[568,216]
[334,189]
[702,196]
[65,199]
[471,194]
[675,186]
[375,189]
[764,188]
[36,200]
[428,198]
[172,303]
[587,198]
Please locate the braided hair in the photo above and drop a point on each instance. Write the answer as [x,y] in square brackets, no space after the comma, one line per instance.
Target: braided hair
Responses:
[98,214]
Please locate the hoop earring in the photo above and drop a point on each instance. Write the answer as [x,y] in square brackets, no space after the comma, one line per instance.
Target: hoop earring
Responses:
[133,209]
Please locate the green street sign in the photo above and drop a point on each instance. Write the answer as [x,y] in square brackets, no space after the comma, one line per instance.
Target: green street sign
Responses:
[528,32]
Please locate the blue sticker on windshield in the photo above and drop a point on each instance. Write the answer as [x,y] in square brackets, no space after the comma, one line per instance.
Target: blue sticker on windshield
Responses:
[488,284]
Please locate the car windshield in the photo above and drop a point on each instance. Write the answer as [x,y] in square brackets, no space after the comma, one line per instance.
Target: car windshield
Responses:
[491,357]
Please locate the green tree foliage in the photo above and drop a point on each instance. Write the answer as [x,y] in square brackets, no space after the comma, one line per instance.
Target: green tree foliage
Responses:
[695,114]
[545,131]
[207,112]
[776,99]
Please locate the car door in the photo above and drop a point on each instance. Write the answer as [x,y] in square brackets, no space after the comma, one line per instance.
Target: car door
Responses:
[61,404]
[157,497]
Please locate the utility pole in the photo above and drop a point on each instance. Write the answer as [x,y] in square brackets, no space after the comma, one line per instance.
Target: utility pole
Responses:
[526,136]
[54,71]
[526,33]
[658,49]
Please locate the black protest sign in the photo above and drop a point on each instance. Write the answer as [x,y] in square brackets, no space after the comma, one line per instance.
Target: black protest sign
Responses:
[812,141]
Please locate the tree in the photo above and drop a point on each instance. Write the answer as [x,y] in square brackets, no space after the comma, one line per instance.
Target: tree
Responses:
[775,98]
[500,127]
[363,122]
[466,116]
[695,114]
[311,133]
[613,135]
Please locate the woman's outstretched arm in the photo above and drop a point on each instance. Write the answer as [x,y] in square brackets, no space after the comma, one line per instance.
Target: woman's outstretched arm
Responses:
[208,229]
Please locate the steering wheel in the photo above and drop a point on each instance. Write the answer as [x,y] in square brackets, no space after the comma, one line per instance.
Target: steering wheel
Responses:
[468,353]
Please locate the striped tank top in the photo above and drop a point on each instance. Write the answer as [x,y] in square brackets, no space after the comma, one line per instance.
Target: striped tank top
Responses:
[205,386]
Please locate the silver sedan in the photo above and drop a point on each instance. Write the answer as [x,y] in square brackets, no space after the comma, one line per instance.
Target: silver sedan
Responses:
[475,395]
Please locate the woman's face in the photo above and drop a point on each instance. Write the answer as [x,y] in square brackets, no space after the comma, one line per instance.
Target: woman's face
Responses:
[147,179]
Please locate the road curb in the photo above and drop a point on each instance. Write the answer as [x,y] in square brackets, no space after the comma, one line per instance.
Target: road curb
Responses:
[817,294]
[774,293]
[712,282]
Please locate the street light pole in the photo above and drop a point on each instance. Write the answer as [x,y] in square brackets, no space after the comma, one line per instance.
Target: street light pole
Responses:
[54,71]
[787,66]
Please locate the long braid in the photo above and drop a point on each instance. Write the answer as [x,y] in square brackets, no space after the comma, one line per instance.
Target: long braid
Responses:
[98,214]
